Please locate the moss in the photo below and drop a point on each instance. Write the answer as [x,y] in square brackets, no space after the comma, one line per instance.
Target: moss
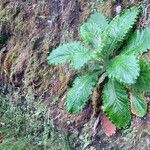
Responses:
[27,124]
[19,25]
[10,58]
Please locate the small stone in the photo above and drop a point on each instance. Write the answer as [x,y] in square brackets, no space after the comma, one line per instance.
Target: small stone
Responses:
[118,9]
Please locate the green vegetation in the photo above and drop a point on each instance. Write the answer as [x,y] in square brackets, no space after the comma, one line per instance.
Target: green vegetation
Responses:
[4,35]
[109,56]
[25,123]
[55,101]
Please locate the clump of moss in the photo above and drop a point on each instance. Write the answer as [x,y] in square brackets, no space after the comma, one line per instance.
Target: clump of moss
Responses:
[26,123]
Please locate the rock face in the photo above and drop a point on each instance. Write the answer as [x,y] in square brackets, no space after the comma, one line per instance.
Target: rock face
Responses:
[29,31]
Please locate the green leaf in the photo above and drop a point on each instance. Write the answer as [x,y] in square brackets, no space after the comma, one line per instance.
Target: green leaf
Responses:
[118,29]
[124,68]
[91,33]
[138,104]
[91,30]
[79,94]
[143,81]
[99,19]
[116,103]
[138,42]
[73,52]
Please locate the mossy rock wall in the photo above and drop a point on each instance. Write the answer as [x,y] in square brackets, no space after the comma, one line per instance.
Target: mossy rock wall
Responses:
[29,31]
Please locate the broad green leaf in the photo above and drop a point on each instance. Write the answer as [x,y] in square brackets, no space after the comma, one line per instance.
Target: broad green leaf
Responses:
[138,42]
[73,52]
[91,33]
[91,30]
[116,103]
[138,104]
[118,29]
[143,81]
[99,19]
[124,68]
[79,94]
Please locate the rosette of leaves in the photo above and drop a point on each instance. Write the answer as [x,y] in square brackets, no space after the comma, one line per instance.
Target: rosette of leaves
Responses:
[109,49]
